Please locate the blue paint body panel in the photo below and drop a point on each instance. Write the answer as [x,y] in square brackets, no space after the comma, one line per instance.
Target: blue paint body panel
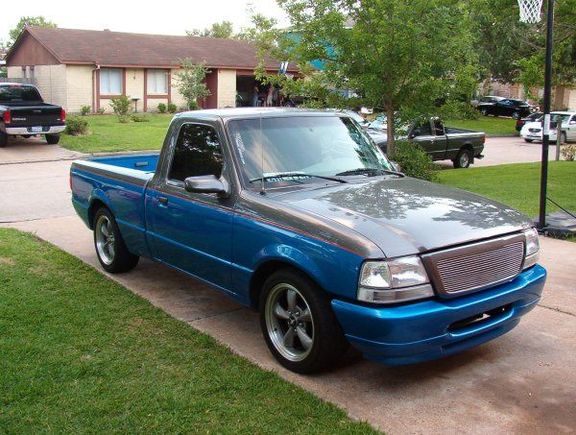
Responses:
[421,331]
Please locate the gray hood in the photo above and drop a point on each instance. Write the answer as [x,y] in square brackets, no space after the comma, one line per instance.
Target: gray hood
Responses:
[405,216]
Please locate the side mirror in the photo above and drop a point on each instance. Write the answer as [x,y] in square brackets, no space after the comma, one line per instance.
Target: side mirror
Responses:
[573,122]
[395,166]
[206,184]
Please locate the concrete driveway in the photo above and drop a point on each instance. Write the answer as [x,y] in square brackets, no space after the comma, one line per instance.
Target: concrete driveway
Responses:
[503,150]
[522,382]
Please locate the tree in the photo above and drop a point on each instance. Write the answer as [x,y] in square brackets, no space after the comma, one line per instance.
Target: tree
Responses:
[37,21]
[511,51]
[222,30]
[395,54]
[191,82]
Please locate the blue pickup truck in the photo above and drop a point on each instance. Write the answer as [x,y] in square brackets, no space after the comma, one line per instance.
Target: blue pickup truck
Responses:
[300,216]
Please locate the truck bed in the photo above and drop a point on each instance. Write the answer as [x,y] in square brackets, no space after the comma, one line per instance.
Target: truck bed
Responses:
[119,182]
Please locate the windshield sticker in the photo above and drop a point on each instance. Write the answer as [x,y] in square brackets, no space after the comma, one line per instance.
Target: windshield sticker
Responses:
[240,146]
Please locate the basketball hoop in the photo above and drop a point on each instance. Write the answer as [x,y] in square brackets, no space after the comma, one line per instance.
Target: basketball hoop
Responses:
[530,10]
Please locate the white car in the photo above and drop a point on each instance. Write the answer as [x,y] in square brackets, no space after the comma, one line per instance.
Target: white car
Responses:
[532,131]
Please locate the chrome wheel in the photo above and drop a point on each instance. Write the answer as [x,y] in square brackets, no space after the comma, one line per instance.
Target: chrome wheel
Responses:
[105,240]
[464,160]
[289,322]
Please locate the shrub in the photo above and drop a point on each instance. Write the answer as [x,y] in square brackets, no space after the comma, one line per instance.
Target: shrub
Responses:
[414,161]
[76,126]
[101,111]
[172,108]
[140,118]
[568,152]
[162,108]
[121,107]
[84,110]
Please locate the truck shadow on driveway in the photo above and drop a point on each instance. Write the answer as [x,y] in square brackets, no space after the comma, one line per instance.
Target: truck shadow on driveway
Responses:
[511,384]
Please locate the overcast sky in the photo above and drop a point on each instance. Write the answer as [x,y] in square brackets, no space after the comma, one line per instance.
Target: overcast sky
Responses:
[160,17]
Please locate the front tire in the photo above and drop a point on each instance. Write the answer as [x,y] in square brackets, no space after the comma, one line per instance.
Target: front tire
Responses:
[298,323]
[52,139]
[110,247]
[528,140]
[516,115]
[463,158]
[484,112]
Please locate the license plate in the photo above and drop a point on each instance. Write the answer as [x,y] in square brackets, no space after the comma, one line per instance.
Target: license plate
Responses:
[36,129]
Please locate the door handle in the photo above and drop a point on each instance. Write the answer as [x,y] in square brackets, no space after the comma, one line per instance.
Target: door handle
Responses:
[162,200]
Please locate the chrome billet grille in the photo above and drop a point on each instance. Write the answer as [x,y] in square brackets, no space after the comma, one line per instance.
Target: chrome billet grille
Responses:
[475,267]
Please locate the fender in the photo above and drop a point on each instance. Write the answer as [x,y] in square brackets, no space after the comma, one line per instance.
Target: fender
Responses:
[328,278]
[98,194]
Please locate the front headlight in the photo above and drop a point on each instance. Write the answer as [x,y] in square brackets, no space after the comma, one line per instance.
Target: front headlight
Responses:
[532,250]
[397,280]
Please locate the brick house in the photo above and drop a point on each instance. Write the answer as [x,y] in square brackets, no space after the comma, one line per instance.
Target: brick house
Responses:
[75,68]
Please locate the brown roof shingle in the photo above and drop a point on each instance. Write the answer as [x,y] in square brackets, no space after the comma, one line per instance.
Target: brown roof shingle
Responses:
[135,49]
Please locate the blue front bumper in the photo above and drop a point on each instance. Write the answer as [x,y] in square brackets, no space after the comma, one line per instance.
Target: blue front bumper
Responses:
[422,331]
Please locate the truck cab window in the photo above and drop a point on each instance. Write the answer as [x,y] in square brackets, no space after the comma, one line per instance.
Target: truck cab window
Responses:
[438,128]
[198,152]
[422,129]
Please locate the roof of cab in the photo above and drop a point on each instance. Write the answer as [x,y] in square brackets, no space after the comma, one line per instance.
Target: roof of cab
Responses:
[255,112]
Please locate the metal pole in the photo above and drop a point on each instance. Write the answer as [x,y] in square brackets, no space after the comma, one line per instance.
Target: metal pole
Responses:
[546,126]
[558,138]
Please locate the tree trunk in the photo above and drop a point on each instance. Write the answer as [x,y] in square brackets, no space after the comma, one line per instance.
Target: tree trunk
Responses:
[390,133]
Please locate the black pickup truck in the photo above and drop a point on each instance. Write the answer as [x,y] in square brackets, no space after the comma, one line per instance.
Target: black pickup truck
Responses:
[24,113]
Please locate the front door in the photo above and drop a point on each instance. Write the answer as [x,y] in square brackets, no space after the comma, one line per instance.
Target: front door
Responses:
[192,231]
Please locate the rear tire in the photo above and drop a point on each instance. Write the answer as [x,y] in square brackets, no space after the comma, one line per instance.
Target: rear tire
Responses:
[3,139]
[516,115]
[463,158]
[52,139]
[299,326]
[484,112]
[111,250]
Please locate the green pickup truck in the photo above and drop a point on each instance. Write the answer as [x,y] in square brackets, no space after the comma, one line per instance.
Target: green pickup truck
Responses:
[442,143]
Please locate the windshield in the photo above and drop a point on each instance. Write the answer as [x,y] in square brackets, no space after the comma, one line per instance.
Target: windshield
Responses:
[314,145]
[554,117]
[17,93]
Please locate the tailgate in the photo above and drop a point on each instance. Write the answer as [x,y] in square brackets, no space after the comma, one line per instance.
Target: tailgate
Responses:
[36,116]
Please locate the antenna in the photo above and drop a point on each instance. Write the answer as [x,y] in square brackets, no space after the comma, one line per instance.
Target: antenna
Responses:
[263,179]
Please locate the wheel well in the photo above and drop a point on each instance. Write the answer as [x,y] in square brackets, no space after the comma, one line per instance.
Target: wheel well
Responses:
[263,272]
[94,207]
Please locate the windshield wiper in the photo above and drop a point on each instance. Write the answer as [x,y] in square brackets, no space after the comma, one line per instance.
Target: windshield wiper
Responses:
[371,172]
[296,175]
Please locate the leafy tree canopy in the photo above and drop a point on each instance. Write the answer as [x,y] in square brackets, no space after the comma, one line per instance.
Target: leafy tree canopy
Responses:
[222,30]
[37,21]
[395,54]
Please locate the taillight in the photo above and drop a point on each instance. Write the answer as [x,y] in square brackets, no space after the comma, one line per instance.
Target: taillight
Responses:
[62,115]
[7,117]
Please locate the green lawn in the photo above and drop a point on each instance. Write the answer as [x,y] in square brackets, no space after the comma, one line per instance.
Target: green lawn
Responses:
[81,354]
[109,135]
[518,185]
[489,124]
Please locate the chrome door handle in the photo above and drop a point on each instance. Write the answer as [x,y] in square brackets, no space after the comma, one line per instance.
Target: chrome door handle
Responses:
[163,200]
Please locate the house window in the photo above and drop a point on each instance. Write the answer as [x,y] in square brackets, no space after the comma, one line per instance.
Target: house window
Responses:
[157,81]
[111,81]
